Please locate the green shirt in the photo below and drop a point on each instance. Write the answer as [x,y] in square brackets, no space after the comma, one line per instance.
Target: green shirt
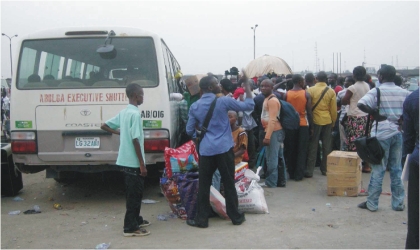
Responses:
[131,126]
[191,99]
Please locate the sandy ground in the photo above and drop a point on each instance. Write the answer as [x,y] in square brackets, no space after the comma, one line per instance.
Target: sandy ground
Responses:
[94,206]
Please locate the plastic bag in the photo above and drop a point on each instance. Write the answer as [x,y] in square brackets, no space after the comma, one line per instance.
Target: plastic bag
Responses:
[240,169]
[182,154]
[169,189]
[217,202]
[188,190]
[251,194]
[181,165]
[103,246]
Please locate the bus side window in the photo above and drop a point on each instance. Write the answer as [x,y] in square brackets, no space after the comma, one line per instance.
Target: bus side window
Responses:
[167,68]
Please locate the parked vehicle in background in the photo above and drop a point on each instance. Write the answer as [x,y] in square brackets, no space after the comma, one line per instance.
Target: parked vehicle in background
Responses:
[71,80]
[413,87]
[414,80]
[5,86]
[375,79]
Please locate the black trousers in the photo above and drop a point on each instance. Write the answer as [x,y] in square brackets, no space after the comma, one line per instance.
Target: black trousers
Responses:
[134,186]
[412,241]
[297,151]
[252,151]
[225,163]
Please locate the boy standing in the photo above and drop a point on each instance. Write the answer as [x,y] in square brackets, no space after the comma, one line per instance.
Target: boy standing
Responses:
[131,158]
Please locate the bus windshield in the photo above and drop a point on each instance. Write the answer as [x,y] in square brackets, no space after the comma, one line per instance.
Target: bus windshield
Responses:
[75,63]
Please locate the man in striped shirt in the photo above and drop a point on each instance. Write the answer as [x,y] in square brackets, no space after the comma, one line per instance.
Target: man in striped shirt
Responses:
[391,108]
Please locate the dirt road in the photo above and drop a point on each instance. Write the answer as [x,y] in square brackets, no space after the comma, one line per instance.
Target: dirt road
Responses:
[93,212]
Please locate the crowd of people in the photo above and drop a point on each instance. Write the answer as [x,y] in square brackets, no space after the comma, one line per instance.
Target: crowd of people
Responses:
[5,113]
[334,111]
[231,123]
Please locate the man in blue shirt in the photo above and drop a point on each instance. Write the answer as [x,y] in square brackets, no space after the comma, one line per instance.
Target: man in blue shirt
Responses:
[411,146]
[216,148]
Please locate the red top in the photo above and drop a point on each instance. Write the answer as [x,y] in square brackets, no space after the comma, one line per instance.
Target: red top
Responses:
[238,92]
[337,89]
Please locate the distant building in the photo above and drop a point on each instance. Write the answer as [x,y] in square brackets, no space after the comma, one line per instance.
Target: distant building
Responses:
[408,72]
[370,70]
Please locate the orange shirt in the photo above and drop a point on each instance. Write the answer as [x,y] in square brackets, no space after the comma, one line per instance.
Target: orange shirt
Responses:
[298,100]
[269,114]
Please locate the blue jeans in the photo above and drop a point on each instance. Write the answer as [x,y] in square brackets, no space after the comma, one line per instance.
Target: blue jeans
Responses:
[392,158]
[272,154]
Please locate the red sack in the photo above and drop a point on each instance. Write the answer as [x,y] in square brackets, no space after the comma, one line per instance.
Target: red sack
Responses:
[181,152]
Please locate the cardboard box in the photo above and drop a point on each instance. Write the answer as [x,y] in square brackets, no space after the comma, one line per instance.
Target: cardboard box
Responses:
[344,191]
[240,170]
[344,179]
[192,83]
[343,162]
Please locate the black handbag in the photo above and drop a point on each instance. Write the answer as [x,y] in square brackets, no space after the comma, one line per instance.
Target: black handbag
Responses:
[369,148]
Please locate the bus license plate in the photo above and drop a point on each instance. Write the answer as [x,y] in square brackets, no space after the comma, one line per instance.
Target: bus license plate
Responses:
[87,142]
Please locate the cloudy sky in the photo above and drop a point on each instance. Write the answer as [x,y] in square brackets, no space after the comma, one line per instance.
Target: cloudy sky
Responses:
[213,36]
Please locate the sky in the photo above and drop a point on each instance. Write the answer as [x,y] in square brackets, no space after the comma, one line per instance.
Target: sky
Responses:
[213,36]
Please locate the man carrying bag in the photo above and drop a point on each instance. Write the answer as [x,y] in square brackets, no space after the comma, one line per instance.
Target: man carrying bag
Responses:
[216,148]
[390,138]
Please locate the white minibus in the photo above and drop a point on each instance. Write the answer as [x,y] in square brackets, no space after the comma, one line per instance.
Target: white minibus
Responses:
[71,80]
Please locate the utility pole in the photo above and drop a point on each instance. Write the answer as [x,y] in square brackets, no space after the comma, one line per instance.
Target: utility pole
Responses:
[10,43]
[337,63]
[340,65]
[316,58]
[333,63]
[254,28]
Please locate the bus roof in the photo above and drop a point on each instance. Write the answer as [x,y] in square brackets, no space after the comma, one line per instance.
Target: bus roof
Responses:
[61,32]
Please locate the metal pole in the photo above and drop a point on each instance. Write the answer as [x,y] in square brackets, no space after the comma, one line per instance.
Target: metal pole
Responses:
[333,63]
[254,28]
[337,63]
[254,43]
[11,64]
[340,65]
[10,47]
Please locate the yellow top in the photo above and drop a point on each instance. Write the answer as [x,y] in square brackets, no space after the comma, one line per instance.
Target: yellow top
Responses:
[326,111]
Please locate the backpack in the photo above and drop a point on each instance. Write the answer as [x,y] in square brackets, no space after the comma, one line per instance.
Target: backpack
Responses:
[289,117]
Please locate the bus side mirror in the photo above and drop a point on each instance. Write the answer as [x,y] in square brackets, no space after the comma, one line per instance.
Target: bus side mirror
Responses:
[107,51]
